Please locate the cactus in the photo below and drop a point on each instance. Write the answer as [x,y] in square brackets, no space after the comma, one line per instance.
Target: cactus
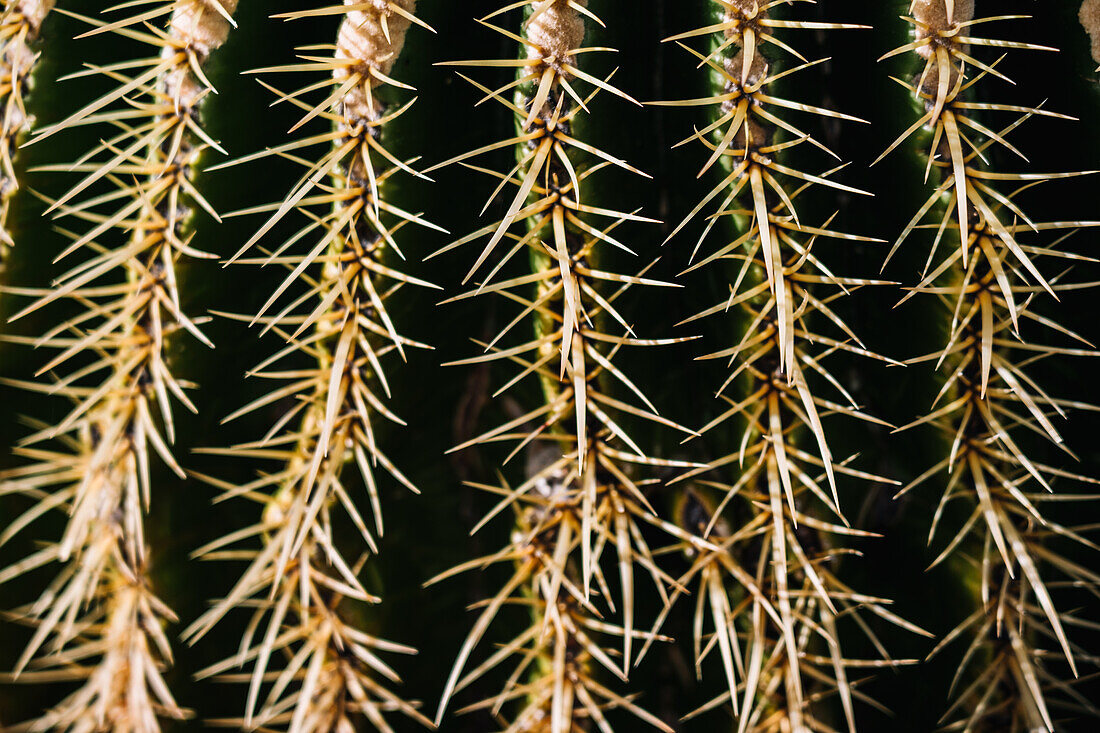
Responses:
[550,365]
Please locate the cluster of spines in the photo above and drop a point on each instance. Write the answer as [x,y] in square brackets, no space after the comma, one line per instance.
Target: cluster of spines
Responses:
[301,583]
[579,497]
[20,23]
[989,283]
[768,588]
[99,622]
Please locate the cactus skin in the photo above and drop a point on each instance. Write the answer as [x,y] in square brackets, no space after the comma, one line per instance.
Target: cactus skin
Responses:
[425,535]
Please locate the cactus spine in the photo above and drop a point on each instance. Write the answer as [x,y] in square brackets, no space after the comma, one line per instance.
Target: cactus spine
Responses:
[302,580]
[100,621]
[988,282]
